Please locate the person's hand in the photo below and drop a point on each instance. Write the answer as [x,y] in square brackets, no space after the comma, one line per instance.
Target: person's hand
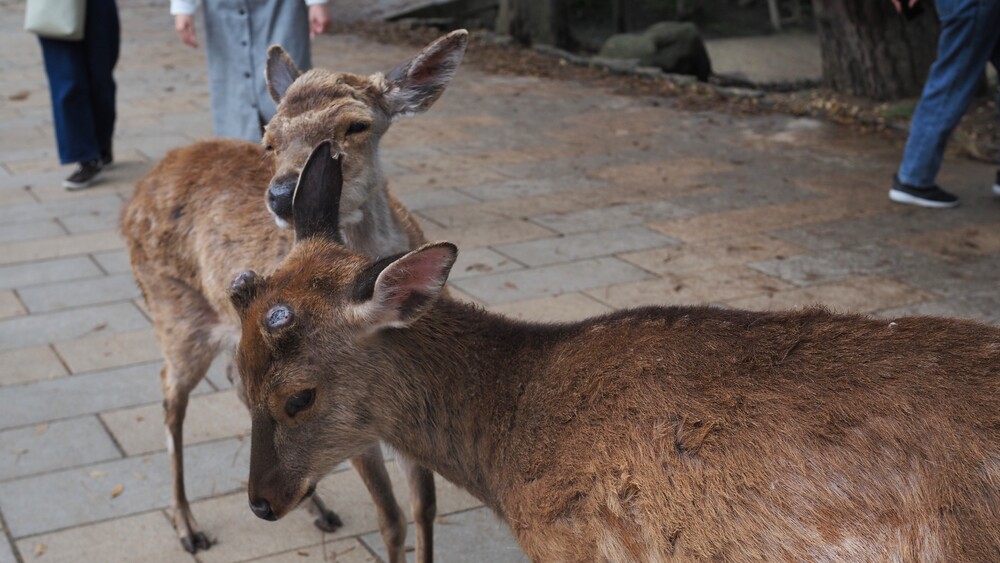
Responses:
[899,4]
[184,26]
[319,20]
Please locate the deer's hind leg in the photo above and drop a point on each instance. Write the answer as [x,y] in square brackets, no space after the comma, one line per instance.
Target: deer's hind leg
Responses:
[188,330]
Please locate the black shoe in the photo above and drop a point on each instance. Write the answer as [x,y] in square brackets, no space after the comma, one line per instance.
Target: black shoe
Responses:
[84,175]
[996,186]
[106,158]
[924,197]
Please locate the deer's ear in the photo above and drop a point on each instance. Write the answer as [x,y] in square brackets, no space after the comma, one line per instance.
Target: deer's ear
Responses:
[404,288]
[415,85]
[316,200]
[281,72]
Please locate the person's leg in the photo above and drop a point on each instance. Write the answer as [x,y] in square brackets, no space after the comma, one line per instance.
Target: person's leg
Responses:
[995,59]
[103,41]
[278,22]
[66,68]
[966,43]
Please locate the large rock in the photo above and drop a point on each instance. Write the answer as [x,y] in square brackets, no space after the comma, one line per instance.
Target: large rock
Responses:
[674,47]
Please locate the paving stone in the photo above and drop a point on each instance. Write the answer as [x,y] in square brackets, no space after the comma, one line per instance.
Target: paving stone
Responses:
[58,247]
[584,245]
[341,551]
[416,201]
[486,234]
[768,218]
[144,537]
[516,189]
[712,254]
[78,293]
[507,287]
[45,212]
[82,394]
[481,261]
[51,446]
[605,218]
[10,305]
[474,535]
[23,365]
[114,262]
[838,263]
[6,552]
[861,294]
[566,307]
[103,351]
[689,288]
[104,219]
[27,230]
[212,416]
[957,245]
[34,273]
[72,497]
[66,325]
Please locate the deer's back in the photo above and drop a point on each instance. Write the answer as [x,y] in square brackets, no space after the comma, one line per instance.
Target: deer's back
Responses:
[734,435]
[198,218]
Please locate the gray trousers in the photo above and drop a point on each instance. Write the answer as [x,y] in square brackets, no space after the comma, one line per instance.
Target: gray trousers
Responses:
[237,35]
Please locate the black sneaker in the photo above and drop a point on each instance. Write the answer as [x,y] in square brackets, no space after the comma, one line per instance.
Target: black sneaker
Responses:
[996,186]
[924,197]
[106,158]
[84,175]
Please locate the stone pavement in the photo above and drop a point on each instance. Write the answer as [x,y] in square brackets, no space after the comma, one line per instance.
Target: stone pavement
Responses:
[566,201]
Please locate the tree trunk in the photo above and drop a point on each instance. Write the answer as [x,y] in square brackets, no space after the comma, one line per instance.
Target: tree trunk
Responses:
[535,21]
[869,50]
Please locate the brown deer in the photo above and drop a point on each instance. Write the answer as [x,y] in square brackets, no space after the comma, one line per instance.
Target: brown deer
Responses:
[687,433]
[198,218]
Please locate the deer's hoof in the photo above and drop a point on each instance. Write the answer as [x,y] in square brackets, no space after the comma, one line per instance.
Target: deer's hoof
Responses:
[328,521]
[196,541]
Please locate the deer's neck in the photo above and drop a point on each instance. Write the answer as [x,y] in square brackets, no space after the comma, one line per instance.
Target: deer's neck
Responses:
[373,229]
[461,376]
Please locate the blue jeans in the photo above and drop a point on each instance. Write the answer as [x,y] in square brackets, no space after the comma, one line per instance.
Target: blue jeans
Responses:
[970,36]
[81,85]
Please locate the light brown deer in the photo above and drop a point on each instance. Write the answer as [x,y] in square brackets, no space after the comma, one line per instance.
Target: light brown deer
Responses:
[663,433]
[198,218]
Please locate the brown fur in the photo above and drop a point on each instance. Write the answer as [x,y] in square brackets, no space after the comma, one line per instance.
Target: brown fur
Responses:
[197,219]
[679,433]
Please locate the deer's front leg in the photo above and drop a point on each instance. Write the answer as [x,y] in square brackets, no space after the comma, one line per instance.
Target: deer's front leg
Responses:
[175,404]
[423,503]
[391,523]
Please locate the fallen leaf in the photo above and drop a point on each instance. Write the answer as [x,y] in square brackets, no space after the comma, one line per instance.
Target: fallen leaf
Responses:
[97,474]
[18,96]
[302,553]
[40,549]
[41,428]
[99,327]
[117,490]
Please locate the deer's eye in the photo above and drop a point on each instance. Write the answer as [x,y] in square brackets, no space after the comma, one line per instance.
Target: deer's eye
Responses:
[300,402]
[357,127]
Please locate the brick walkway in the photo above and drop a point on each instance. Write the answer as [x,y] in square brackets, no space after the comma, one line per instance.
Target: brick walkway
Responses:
[566,201]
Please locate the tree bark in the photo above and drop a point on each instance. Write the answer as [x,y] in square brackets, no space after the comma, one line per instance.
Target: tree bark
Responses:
[869,50]
[535,21]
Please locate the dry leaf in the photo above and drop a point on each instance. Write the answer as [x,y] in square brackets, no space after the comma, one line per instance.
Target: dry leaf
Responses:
[117,490]
[96,474]
[41,428]
[20,95]
[302,553]
[40,549]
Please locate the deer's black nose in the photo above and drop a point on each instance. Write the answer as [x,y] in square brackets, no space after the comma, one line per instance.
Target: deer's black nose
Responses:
[279,199]
[262,509]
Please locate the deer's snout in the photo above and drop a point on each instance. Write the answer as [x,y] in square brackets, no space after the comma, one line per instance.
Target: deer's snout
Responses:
[262,509]
[279,199]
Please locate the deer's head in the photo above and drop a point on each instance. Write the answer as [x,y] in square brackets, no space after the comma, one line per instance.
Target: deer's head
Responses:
[352,111]
[309,354]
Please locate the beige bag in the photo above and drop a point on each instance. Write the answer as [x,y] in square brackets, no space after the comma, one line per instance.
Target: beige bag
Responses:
[56,19]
